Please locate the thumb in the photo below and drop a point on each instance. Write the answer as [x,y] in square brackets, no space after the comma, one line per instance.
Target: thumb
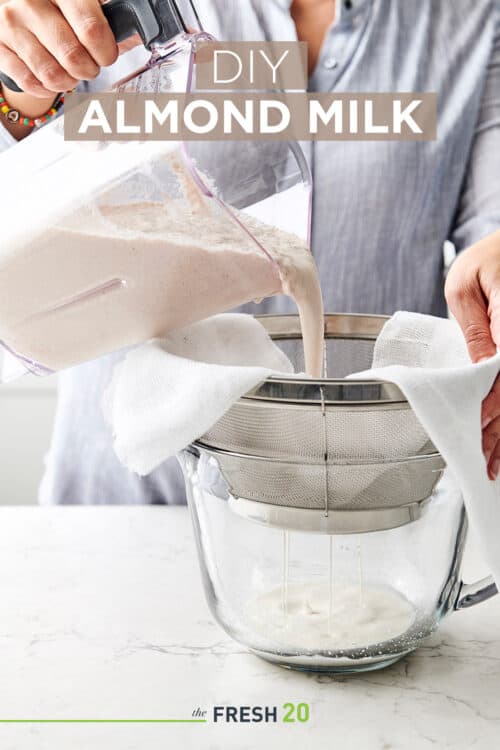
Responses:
[494,315]
[472,316]
[130,43]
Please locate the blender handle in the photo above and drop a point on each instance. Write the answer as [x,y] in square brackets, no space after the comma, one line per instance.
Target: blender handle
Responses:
[128,17]
[470,594]
[148,18]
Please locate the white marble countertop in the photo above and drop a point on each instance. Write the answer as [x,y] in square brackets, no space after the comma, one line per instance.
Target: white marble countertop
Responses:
[102,616]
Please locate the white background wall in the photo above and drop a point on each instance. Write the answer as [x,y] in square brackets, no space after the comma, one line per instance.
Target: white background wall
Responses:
[27,409]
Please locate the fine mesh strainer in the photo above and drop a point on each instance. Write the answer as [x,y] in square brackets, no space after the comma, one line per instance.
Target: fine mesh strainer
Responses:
[328,455]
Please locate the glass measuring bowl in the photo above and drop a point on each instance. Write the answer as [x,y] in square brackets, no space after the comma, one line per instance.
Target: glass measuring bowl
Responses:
[258,577]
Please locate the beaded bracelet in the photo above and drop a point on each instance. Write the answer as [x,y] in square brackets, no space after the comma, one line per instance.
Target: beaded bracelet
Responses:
[14,115]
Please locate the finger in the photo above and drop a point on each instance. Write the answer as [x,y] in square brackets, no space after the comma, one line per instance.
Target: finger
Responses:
[38,59]
[131,43]
[491,438]
[91,28]
[469,308]
[16,69]
[494,312]
[56,36]
[493,468]
[491,405]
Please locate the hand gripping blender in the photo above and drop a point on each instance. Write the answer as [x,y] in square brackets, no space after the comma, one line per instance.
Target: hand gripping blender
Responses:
[66,294]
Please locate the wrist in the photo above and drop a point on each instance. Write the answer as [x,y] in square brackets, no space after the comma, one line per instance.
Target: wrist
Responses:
[20,112]
[30,106]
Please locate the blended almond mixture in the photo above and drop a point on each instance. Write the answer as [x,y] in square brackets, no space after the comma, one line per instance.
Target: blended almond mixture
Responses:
[125,273]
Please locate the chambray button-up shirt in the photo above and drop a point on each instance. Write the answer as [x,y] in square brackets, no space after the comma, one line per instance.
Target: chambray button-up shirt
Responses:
[381,212]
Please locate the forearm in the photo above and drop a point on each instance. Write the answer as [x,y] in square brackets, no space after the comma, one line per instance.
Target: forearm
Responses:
[29,105]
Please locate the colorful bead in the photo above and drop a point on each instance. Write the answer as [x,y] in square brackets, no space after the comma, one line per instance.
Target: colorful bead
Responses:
[13,115]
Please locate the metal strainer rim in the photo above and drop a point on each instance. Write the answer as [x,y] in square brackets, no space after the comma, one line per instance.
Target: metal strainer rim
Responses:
[328,391]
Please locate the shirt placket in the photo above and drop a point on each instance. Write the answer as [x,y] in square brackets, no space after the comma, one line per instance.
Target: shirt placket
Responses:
[340,43]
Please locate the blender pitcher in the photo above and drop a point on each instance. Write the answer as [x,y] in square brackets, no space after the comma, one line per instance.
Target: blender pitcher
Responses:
[128,241]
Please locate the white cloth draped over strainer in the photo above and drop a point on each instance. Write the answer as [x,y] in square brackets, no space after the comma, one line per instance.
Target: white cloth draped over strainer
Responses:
[427,358]
[167,393]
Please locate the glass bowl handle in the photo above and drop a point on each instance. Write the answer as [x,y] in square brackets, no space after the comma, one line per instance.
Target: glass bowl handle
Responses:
[470,594]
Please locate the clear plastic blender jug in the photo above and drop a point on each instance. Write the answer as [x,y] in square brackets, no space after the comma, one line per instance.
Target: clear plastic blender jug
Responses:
[106,245]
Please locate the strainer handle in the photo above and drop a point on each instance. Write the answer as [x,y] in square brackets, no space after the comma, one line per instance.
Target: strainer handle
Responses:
[470,594]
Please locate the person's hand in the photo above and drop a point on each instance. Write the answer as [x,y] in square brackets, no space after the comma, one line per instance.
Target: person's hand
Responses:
[473,294]
[48,46]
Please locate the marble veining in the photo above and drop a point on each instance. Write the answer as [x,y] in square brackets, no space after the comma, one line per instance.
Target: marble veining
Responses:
[103,617]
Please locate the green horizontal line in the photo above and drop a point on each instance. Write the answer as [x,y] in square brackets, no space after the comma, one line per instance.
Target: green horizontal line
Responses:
[103,721]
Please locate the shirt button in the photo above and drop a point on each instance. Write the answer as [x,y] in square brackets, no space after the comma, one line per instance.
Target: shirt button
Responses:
[330,63]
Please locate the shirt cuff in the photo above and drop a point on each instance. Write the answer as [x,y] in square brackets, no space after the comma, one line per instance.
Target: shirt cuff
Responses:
[474,230]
